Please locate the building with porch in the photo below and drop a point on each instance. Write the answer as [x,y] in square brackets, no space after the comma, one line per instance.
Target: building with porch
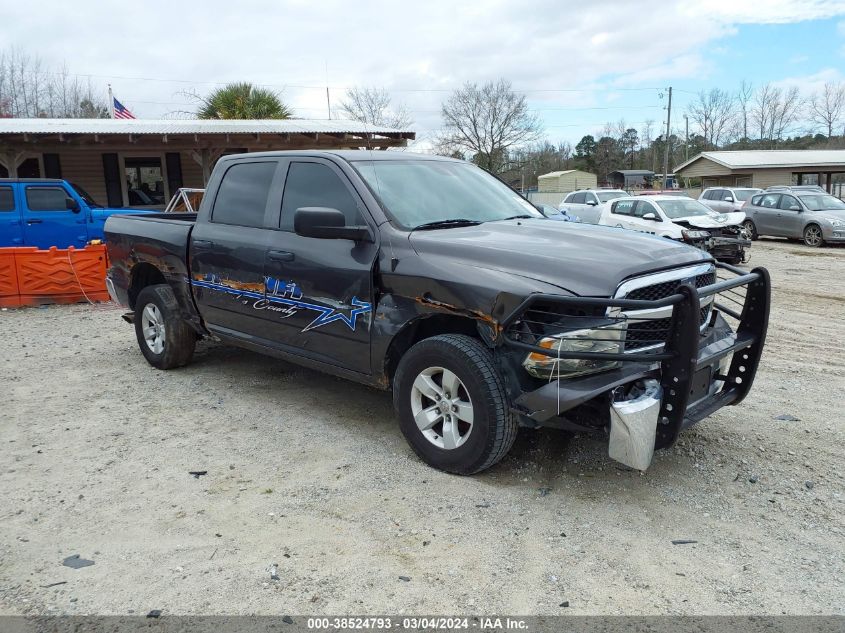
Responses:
[765,168]
[140,163]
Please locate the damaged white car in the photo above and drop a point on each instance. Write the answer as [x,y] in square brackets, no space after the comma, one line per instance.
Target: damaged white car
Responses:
[720,234]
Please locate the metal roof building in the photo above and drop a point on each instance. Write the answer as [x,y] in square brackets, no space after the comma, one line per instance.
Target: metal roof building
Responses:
[764,168]
[566,181]
[141,162]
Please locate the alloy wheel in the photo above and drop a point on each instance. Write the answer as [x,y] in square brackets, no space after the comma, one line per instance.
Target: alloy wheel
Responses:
[812,236]
[152,325]
[442,407]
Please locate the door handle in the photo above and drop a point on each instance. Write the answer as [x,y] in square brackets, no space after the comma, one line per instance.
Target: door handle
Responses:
[202,244]
[34,221]
[281,256]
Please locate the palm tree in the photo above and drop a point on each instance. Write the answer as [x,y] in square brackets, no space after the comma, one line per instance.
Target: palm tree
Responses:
[243,101]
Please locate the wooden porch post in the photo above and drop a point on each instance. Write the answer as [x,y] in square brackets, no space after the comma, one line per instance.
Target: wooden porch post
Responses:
[206,166]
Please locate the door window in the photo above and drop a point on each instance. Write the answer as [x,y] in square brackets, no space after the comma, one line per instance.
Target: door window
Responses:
[242,195]
[642,207]
[579,198]
[46,199]
[770,200]
[623,207]
[7,199]
[316,185]
[726,194]
[789,203]
[144,181]
[591,198]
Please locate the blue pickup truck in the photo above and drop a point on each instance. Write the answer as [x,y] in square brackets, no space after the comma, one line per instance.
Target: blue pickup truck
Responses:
[44,212]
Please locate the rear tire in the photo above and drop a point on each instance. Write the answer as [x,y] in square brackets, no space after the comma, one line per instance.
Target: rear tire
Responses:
[452,405]
[813,235]
[165,339]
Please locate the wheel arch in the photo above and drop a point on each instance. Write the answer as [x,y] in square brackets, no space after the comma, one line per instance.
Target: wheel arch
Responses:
[142,275]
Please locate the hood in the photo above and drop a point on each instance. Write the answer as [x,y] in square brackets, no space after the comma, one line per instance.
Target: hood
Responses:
[830,214]
[713,221]
[585,259]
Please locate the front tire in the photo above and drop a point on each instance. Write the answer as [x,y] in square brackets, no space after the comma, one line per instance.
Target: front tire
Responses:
[750,229]
[813,235]
[452,405]
[165,339]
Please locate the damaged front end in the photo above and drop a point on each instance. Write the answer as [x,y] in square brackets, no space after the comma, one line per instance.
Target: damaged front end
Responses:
[724,243]
[665,352]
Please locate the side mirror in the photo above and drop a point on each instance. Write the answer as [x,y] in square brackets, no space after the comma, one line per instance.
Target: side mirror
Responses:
[795,207]
[325,223]
[72,205]
[592,203]
[650,216]
[728,199]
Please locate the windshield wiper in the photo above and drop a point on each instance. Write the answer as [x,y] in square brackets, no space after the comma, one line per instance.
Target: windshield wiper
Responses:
[515,217]
[445,224]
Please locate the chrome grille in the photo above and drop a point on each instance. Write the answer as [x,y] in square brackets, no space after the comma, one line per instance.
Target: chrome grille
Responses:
[650,328]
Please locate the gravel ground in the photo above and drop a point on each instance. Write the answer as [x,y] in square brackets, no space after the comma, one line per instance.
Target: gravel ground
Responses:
[311,474]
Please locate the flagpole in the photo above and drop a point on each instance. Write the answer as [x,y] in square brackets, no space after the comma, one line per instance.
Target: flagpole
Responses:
[111,102]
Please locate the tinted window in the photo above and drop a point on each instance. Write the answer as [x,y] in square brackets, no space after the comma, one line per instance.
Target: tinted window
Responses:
[579,198]
[46,198]
[623,207]
[788,202]
[569,197]
[727,194]
[242,195]
[316,185]
[591,198]
[756,200]
[7,199]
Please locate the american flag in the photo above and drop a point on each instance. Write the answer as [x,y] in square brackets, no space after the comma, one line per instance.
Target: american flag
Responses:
[120,112]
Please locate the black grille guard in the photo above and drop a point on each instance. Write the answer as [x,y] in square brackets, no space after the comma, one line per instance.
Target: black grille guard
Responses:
[679,355]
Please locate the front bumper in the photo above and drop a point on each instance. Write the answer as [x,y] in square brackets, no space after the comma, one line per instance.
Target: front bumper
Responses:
[698,370]
[833,235]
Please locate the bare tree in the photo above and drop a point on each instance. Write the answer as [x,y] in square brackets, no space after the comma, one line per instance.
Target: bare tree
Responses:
[487,121]
[825,108]
[743,98]
[373,106]
[28,88]
[763,109]
[713,112]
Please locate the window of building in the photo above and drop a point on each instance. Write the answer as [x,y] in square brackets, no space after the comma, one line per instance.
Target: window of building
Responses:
[316,185]
[46,199]
[7,199]
[242,195]
[144,182]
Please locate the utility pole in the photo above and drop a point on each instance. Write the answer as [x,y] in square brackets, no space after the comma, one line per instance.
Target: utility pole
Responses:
[668,134]
[686,138]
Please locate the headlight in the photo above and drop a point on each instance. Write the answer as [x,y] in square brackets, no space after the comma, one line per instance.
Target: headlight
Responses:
[838,224]
[605,340]
[695,235]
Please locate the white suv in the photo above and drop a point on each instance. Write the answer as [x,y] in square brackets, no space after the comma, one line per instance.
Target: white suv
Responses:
[727,199]
[587,203]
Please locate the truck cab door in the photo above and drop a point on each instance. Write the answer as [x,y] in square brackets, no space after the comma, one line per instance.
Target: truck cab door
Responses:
[227,247]
[319,292]
[11,228]
[52,217]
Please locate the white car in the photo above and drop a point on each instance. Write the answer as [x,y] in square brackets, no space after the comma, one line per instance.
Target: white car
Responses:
[682,219]
[727,199]
[587,203]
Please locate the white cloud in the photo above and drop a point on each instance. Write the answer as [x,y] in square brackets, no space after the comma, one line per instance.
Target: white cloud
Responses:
[814,82]
[417,50]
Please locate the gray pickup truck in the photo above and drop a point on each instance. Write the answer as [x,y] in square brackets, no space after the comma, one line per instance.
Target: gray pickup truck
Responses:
[432,278]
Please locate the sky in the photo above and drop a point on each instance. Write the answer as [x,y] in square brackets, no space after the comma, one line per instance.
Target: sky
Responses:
[580,64]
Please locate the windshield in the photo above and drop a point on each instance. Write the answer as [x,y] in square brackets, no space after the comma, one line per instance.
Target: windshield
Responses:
[84,195]
[418,192]
[744,194]
[605,196]
[819,203]
[683,208]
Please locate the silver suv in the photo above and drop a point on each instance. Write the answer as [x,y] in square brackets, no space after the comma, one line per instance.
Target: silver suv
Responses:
[813,217]
[726,199]
[586,203]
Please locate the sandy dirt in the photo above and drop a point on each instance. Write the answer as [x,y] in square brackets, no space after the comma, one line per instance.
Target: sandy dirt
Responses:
[311,473]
